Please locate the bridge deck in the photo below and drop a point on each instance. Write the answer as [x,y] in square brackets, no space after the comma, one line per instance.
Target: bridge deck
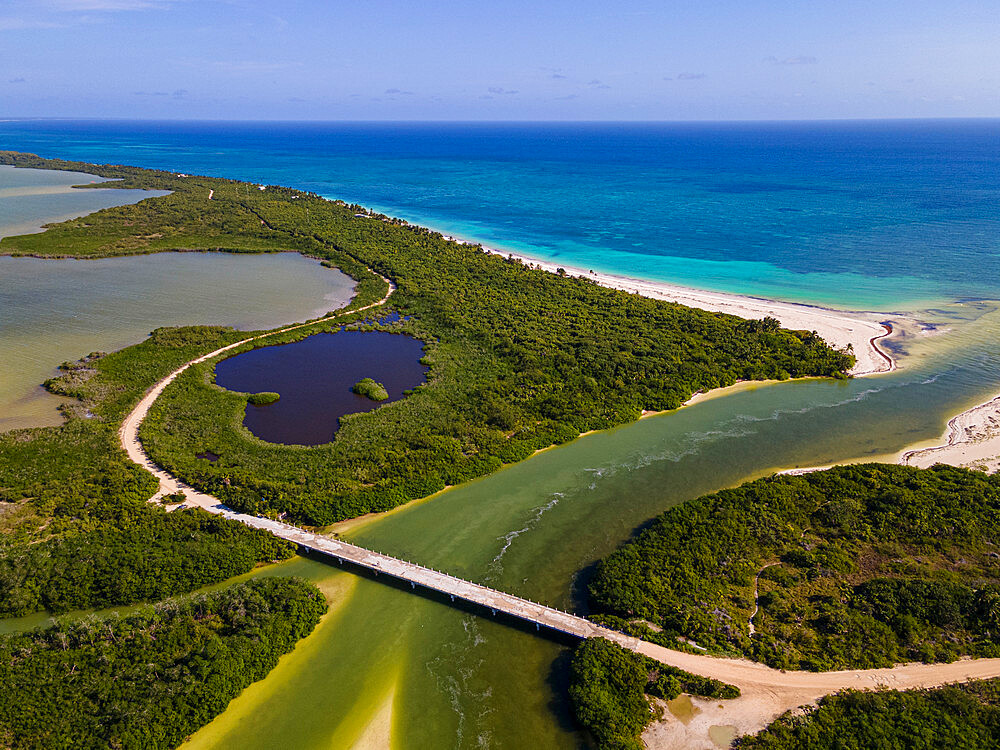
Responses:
[418,575]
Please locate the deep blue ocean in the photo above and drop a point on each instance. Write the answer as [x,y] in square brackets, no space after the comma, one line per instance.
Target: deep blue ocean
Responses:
[875,215]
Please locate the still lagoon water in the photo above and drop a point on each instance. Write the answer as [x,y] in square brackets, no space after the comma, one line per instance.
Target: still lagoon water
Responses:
[314,377]
[884,215]
[52,311]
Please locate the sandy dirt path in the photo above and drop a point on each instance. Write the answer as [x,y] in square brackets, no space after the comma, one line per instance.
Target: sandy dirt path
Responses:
[766,692]
[128,434]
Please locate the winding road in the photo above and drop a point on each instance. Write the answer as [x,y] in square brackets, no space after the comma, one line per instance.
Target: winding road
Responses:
[766,692]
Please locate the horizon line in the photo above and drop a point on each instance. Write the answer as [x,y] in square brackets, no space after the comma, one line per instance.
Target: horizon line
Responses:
[978,118]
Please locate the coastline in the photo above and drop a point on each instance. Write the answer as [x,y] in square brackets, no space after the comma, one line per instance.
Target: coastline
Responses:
[970,440]
[861,330]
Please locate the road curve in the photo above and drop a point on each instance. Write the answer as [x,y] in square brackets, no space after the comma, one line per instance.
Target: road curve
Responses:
[128,433]
[766,692]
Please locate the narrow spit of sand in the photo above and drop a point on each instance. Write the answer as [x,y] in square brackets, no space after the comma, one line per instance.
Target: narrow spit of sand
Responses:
[861,330]
[971,440]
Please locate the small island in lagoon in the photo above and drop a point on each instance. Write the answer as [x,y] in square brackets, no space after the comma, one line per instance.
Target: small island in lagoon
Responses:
[264,398]
[370,389]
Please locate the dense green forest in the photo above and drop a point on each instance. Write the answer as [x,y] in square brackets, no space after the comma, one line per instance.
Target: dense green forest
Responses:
[867,566]
[609,686]
[144,557]
[519,359]
[965,717]
[148,680]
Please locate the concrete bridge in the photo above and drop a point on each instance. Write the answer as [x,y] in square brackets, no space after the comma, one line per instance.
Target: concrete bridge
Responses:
[416,575]
[540,615]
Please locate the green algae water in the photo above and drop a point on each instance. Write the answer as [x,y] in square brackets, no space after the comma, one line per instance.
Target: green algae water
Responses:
[448,678]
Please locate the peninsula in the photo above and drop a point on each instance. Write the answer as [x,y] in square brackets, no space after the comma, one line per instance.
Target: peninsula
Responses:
[520,359]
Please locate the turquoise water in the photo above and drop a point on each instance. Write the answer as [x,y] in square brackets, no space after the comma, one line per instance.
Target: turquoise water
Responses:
[882,215]
[863,215]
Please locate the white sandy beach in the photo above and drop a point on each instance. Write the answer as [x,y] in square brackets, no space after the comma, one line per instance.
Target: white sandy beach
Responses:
[972,440]
[860,330]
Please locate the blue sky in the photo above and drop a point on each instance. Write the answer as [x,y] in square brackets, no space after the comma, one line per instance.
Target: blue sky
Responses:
[500,60]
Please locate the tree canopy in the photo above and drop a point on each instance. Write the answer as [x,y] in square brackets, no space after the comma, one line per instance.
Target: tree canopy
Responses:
[860,566]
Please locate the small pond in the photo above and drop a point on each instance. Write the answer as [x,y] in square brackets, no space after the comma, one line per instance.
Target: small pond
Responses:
[314,377]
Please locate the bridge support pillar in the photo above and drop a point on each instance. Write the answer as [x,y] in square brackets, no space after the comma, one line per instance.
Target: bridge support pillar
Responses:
[452,597]
[412,585]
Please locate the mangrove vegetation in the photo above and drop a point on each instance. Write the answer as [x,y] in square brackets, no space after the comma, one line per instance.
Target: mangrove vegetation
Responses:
[956,716]
[520,359]
[610,688]
[370,389]
[147,680]
[859,566]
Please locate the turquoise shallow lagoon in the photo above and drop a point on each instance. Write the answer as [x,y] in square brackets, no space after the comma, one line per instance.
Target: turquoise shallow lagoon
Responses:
[30,197]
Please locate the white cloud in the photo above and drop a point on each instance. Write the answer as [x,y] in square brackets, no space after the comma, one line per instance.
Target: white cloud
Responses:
[12,23]
[799,60]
